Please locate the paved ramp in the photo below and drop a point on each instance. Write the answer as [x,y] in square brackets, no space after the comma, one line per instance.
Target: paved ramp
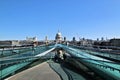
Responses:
[39,72]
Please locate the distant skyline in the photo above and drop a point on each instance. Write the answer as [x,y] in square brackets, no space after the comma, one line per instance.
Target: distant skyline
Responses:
[90,19]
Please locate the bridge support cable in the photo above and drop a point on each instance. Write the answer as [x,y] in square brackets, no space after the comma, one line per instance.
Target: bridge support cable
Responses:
[44,53]
[22,61]
[101,67]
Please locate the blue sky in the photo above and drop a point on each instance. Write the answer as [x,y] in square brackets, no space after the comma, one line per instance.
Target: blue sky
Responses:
[80,18]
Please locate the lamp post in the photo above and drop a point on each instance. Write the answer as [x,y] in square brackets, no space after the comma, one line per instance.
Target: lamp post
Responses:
[33,51]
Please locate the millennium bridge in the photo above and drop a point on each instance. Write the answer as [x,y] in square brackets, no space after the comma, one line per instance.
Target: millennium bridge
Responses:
[80,64]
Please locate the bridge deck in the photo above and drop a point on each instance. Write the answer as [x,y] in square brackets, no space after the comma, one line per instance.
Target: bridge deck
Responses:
[39,72]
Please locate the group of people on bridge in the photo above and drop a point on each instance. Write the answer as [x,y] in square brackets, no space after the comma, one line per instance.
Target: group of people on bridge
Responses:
[60,55]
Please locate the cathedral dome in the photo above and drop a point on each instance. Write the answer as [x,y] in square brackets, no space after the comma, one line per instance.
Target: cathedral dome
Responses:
[58,36]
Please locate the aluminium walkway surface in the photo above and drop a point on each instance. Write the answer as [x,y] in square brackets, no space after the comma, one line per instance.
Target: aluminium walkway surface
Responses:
[40,72]
[49,70]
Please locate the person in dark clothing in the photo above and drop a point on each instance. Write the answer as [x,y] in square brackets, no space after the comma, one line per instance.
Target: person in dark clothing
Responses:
[64,56]
[55,58]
